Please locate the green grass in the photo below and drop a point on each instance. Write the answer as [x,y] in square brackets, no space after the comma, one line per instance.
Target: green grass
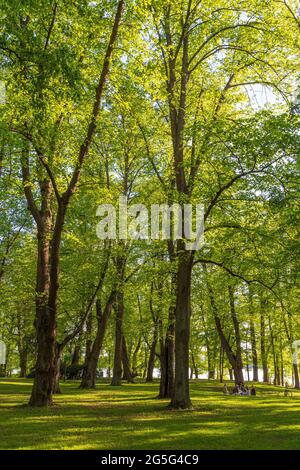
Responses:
[130,417]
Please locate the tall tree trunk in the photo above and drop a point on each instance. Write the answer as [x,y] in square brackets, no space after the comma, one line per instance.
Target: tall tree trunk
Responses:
[23,363]
[127,374]
[195,368]
[181,394]
[89,328]
[253,340]
[275,380]
[117,371]
[296,376]
[76,354]
[167,344]
[236,325]
[56,385]
[263,352]
[235,364]
[48,253]
[152,355]
[91,361]
[134,357]
[45,321]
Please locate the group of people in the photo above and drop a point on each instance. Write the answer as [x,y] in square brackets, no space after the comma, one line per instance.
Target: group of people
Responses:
[240,389]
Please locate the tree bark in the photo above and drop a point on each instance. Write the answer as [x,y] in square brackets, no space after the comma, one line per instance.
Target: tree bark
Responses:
[117,370]
[76,355]
[263,352]
[45,321]
[91,361]
[167,343]
[181,395]
[23,363]
[48,253]
[127,374]
[234,361]
[253,340]
[152,355]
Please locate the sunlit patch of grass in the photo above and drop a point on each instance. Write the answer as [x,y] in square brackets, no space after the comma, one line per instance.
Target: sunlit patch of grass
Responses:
[131,417]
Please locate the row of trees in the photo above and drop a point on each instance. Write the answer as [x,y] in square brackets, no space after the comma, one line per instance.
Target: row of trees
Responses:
[150,101]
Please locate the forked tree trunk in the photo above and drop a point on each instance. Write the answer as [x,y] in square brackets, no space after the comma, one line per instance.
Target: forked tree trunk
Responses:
[234,360]
[91,361]
[48,253]
[134,357]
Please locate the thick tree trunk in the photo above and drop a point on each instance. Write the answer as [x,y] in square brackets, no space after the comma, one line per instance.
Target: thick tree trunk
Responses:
[181,394]
[45,321]
[91,361]
[117,371]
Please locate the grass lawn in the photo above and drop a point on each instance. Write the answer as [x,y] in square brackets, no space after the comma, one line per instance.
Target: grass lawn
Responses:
[130,417]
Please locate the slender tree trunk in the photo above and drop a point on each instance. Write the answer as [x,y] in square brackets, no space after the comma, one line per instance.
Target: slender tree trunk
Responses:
[275,380]
[263,351]
[253,340]
[91,362]
[194,367]
[167,351]
[236,325]
[152,355]
[117,371]
[56,385]
[221,363]
[232,358]
[134,357]
[23,355]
